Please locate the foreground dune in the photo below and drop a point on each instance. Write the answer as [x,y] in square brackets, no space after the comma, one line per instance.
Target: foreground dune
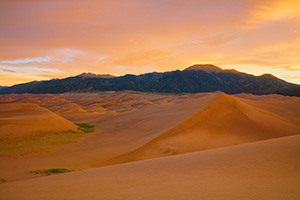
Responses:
[226,121]
[266,170]
[26,119]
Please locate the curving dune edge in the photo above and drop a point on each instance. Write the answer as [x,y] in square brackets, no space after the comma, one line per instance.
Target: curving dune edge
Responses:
[262,170]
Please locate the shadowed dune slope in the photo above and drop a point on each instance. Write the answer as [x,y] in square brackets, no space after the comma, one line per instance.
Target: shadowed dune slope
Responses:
[266,170]
[225,121]
[22,120]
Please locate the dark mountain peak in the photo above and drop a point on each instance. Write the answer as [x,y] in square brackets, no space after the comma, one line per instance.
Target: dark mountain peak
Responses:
[232,71]
[92,75]
[204,67]
[268,75]
[2,87]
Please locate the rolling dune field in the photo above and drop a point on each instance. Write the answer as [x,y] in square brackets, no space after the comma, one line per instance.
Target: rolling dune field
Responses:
[150,146]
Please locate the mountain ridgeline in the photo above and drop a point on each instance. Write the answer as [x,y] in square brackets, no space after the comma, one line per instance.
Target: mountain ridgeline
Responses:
[194,79]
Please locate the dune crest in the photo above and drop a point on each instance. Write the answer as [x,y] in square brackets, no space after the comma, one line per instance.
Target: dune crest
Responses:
[26,119]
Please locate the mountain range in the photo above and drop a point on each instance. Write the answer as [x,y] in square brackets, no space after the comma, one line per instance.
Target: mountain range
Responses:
[194,79]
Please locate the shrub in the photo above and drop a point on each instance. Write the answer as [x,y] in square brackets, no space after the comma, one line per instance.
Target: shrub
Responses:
[3,180]
[172,151]
[51,171]
[87,128]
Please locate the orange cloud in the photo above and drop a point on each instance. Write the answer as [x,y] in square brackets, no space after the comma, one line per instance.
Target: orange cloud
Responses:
[8,70]
[152,55]
[264,11]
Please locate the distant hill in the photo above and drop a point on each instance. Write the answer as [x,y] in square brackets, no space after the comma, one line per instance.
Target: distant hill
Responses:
[31,87]
[2,87]
[292,91]
[194,79]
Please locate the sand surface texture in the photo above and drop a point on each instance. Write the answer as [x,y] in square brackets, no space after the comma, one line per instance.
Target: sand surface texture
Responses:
[232,146]
[262,170]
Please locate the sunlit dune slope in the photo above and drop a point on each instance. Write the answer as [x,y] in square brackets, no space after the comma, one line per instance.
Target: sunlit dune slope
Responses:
[225,121]
[22,120]
[266,170]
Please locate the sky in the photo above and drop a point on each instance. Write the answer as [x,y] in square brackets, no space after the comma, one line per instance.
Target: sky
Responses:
[40,40]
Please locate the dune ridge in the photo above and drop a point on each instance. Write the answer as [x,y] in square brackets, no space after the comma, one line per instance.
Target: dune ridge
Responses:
[226,121]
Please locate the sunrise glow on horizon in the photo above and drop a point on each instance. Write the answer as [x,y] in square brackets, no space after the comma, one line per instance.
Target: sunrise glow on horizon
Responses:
[40,40]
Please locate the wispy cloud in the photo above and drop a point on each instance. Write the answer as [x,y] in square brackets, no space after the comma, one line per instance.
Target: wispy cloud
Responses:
[8,70]
[289,68]
[265,11]
[291,77]
[28,69]
[67,54]
[100,58]
[30,60]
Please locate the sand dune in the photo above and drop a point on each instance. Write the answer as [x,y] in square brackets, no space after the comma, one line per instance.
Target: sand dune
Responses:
[266,170]
[225,121]
[74,103]
[22,120]
[147,130]
[70,108]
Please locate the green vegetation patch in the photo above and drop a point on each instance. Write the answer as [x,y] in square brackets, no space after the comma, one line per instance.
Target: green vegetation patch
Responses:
[51,171]
[87,128]
[3,180]
[172,151]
